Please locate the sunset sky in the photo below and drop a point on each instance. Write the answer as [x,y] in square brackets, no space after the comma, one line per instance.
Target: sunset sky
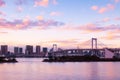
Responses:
[67,23]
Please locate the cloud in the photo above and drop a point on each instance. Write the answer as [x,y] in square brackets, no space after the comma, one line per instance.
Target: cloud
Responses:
[2,13]
[69,43]
[104,9]
[109,7]
[49,23]
[117,1]
[94,7]
[2,3]
[19,9]
[20,2]
[111,35]
[107,19]
[91,27]
[40,18]
[65,41]
[117,18]
[3,32]
[43,3]
[99,28]
[27,24]
[54,2]
[55,13]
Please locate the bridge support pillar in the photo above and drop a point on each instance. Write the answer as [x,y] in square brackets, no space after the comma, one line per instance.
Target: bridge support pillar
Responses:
[94,41]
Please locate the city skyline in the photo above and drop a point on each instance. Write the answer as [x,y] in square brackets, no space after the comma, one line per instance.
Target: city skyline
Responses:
[27,49]
[67,24]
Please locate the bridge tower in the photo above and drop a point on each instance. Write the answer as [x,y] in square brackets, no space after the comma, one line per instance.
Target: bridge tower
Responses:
[94,43]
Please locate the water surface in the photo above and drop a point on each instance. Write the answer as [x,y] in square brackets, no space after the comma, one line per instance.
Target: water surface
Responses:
[35,69]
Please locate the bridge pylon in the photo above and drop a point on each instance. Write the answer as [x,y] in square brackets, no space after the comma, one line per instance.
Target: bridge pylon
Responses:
[94,43]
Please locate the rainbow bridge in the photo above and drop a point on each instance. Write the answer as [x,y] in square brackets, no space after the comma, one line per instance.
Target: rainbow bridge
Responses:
[96,49]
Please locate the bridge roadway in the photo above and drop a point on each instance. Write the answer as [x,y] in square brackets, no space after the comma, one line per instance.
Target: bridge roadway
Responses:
[81,52]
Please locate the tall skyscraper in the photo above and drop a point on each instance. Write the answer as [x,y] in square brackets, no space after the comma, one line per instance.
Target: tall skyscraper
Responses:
[45,49]
[38,49]
[29,49]
[16,50]
[4,49]
[20,50]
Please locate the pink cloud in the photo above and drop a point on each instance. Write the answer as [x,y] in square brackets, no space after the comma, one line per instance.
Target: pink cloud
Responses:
[2,3]
[2,13]
[21,2]
[40,18]
[43,3]
[55,13]
[117,1]
[19,9]
[26,23]
[1,32]
[117,18]
[49,23]
[98,28]
[65,41]
[106,20]
[110,6]
[94,7]
[55,2]
[104,9]
[91,27]
[111,35]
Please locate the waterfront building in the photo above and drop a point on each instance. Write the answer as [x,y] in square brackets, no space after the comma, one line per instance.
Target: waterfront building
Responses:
[20,50]
[45,49]
[29,49]
[16,50]
[4,49]
[38,50]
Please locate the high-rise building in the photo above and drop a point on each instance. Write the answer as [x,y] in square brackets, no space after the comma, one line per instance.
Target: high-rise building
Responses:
[45,49]
[4,49]
[38,49]
[16,50]
[29,49]
[20,50]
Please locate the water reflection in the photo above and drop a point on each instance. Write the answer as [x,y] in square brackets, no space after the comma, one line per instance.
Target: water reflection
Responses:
[34,69]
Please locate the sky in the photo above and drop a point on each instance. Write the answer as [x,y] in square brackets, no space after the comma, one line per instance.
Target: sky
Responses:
[67,23]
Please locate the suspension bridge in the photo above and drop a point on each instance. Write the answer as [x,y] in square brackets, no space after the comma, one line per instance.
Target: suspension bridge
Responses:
[91,47]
